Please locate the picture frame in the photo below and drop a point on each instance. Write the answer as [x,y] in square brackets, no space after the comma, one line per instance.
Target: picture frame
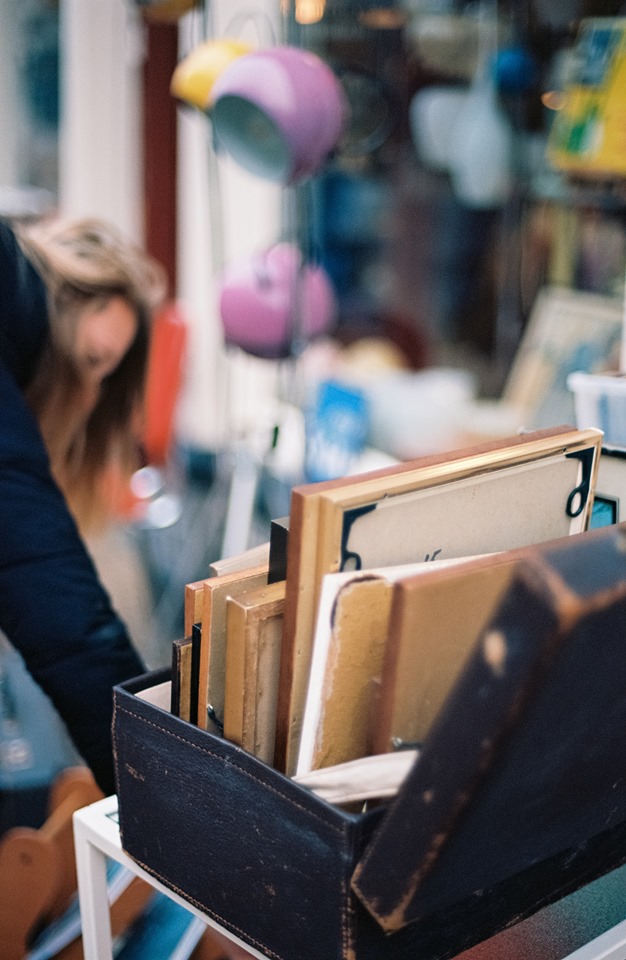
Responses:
[212,659]
[192,605]
[434,622]
[609,505]
[252,557]
[347,653]
[479,500]
[184,700]
[254,627]
[568,330]
[340,716]
[585,138]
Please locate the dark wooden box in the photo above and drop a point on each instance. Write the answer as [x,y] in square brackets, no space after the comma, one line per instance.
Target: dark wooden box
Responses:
[518,797]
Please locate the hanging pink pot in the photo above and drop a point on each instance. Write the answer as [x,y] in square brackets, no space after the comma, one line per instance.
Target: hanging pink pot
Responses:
[280,113]
[269,301]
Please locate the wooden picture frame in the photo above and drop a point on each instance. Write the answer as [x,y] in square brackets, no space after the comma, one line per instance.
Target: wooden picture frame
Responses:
[212,666]
[434,623]
[568,330]
[193,601]
[252,557]
[609,505]
[347,653]
[254,627]
[483,499]
[184,701]
[349,650]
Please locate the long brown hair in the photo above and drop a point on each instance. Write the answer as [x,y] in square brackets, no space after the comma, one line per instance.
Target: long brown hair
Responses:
[85,263]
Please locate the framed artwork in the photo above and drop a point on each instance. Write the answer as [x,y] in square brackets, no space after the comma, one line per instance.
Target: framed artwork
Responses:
[480,500]
[341,714]
[568,330]
[586,136]
[185,652]
[254,627]
[609,505]
[434,622]
[193,601]
[212,657]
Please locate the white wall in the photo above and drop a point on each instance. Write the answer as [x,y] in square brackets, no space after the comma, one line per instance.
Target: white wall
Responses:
[100,146]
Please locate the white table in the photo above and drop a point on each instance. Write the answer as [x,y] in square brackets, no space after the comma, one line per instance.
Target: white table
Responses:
[96,838]
[96,835]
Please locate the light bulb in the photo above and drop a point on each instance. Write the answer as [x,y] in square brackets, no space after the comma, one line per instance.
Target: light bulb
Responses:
[310,11]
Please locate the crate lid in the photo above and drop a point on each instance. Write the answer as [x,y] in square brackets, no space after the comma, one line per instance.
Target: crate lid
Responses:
[522,770]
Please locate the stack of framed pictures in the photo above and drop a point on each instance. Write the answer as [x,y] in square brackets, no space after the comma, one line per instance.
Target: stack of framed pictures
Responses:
[424,718]
[294,670]
[482,500]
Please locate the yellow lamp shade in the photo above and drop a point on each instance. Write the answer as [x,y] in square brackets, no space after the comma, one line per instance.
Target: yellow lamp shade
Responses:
[193,79]
[165,11]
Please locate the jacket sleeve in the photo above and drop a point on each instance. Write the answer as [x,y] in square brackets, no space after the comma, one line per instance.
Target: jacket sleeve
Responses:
[23,309]
[53,607]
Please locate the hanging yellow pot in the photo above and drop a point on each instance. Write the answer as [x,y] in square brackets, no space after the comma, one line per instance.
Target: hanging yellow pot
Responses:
[193,79]
[165,11]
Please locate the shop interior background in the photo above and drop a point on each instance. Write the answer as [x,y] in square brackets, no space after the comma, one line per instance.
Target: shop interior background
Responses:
[426,277]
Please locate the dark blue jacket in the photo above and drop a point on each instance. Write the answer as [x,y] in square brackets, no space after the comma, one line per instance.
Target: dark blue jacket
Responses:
[53,607]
